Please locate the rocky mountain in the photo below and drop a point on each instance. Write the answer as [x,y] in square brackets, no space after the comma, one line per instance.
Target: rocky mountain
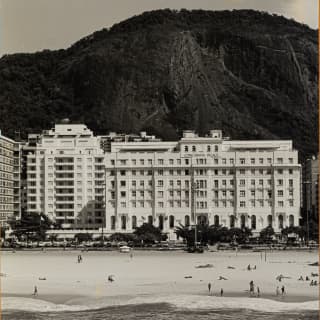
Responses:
[252,74]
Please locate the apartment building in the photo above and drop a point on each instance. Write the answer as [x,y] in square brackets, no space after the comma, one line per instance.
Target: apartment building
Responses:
[116,183]
[6,179]
[208,179]
[65,176]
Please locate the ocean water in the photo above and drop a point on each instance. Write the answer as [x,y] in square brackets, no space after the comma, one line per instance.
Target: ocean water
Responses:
[178,307]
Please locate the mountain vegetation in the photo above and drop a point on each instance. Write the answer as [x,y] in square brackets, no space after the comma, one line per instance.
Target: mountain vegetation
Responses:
[252,74]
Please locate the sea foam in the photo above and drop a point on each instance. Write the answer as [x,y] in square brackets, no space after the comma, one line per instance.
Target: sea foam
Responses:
[177,301]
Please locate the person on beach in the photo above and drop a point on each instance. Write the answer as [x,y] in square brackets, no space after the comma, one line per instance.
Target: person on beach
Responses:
[277,291]
[283,290]
[258,291]
[307,278]
[311,283]
[249,268]
[209,287]
[255,267]
[221,292]
[251,289]
[301,278]
[35,291]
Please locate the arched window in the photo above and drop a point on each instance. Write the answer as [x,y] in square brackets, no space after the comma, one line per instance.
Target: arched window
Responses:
[216,220]
[171,221]
[291,220]
[216,148]
[232,221]
[113,222]
[161,222]
[186,149]
[193,148]
[253,222]
[243,221]
[134,222]
[269,220]
[123,222]
[187,221]
[208,148]
[150,219]
[280,221]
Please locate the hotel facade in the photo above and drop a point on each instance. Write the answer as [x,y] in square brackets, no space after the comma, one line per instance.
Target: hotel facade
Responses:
[6,179]
[209,179]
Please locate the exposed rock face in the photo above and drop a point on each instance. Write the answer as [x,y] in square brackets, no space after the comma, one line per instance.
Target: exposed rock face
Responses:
[251,74]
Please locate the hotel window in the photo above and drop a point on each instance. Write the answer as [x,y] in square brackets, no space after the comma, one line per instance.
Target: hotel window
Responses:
[280,160]
[178,182]
[171,172]
[123,194]
[231,161]
[141,193]
[123,204]
[134,183]
[186,149]
[224,193]
[280,193]
[113,195]
[160,204]
[242,160]
[178,172]
[160,172]
[216,161]
[179,193]
[216,148]
[134,193]
[160,183]
[193,148]
[216,172]
[141,172]
[216,203]
[216,194]
[253,193]
[242,193]
[134,204]
[242,171]
[150,161]
[280,203]
[253,171]
[242,204]
[224,161]
[149,172]
[141,161]
[150,183]
[291,193]
[141,204]
[186,161]
[134,161]
[253,182]
[223,171]
[160,161]
[231,193]
[291,202]
[122,183]
[261,182]
[208,148]
[160,194]
[280,182]
[280,171]
[170,161]
[269,160]
[269,194]
[186,183]
[122,172]
[261,160]
[112,162]
[290,171]
[179,161]
[186,172]
[253,160]
[171,193]
[123,162]
[171,183]
[242,182]
[224,203]
[260,203]
[170,203]
[231,182]
[224,182]
[290,160]
[290,182]
[252,203]
[268,171]
[260,171]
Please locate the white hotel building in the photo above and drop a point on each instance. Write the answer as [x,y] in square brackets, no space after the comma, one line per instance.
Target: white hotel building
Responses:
[205,179]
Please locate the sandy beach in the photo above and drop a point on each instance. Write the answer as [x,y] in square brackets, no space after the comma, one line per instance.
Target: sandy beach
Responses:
[156,274]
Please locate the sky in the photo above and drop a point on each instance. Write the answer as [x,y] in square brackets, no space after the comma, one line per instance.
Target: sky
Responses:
[33,25]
